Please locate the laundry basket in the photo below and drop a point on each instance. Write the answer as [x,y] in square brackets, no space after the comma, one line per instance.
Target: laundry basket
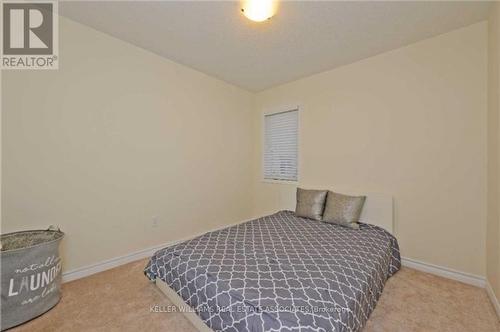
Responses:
[31,274]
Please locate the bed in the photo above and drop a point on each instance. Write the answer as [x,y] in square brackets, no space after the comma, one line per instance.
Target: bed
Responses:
[282,272]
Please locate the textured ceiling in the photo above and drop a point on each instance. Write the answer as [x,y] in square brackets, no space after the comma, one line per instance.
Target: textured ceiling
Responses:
[302,39]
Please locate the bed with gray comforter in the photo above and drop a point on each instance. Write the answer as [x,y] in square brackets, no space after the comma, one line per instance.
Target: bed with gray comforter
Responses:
[281,273]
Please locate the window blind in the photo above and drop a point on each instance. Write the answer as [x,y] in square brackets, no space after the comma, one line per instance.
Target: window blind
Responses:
[281,145]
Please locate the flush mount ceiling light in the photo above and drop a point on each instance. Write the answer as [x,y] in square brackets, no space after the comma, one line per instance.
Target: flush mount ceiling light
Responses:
[259,10]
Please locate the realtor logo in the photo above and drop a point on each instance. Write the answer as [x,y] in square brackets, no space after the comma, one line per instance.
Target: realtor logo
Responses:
[29,35]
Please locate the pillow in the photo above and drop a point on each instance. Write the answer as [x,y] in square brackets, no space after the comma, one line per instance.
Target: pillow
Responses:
[343,209]
[310,203]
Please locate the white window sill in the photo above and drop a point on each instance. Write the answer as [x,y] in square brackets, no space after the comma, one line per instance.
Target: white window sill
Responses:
[292,183]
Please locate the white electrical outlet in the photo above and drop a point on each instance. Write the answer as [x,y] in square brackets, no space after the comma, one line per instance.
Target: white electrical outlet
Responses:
[155,221]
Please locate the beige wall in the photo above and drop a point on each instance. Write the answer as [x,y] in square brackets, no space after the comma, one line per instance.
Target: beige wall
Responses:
[410,122]
[116,136]
[493,220]
[100,150]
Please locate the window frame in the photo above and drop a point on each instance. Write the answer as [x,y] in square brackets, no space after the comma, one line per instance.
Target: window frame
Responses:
[271,111]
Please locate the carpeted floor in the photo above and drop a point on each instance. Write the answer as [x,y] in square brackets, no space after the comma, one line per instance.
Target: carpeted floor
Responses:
[120,300]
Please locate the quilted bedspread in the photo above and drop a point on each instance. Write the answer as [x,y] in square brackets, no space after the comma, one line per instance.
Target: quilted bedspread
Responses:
[281,273]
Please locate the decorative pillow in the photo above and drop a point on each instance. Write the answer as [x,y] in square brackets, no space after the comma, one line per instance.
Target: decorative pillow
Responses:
[343,209]
[310,203]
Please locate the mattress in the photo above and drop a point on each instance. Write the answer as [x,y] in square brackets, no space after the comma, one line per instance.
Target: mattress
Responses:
[281,273]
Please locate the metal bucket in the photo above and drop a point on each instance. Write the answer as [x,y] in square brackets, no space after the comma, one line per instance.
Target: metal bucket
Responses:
[31,275]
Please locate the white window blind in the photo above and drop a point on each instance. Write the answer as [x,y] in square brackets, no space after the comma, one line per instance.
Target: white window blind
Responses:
[281,145]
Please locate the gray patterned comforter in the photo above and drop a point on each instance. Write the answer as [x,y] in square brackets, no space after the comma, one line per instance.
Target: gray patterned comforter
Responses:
[281,273]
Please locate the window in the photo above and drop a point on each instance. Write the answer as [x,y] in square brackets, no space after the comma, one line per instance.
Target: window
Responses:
[281,145]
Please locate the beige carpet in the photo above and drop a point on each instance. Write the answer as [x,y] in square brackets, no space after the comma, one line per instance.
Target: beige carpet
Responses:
[120,300]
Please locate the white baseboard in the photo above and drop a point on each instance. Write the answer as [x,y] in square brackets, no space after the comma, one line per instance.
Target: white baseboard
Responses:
[445,272]
[464,277]
[88,270]
[110,263]
[408,262]
[493,298]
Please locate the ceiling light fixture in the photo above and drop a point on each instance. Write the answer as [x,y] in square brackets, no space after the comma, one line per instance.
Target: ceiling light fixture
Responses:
[259,10]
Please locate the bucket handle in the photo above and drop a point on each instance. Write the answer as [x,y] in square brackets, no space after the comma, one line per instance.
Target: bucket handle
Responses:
[54,228]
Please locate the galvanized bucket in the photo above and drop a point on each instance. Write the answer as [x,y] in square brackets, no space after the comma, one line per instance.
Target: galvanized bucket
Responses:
[31,274]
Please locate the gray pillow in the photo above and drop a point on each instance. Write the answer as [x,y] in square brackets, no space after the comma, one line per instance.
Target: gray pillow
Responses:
[310,203]
[343,209]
